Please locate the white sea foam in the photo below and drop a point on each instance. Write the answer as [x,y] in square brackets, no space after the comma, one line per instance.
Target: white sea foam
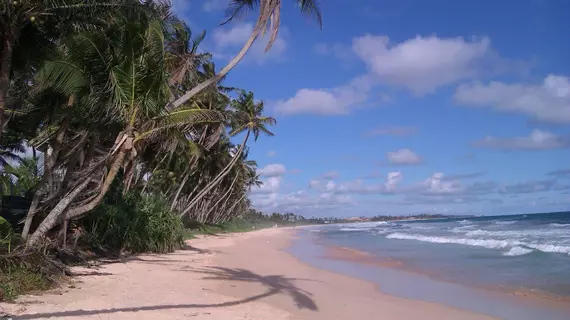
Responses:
[551,248]
[354,229]
[559,225]
[489,243]
[421,227]
[505,222]
[517,251]
[486,243]
[465,222]
[462,229]
[533,233]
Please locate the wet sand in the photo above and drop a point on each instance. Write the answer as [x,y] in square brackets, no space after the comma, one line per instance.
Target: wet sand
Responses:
[238,276]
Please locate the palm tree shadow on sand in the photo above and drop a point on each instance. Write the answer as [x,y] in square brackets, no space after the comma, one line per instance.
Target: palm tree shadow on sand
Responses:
[274,284]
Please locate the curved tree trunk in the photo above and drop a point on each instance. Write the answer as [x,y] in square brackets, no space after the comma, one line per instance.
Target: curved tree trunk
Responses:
[113,171]
[225,196]
[213,80]
[186,176]
[219,177]
[52,219]
[5,70]
[30,215]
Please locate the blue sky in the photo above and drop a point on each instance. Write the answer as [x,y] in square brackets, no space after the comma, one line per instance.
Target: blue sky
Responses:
[407,106]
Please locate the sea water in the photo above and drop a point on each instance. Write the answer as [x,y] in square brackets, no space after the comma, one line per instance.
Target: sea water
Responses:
[527,253]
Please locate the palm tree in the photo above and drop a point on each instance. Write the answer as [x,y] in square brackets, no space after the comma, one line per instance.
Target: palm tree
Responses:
[247,117]
[119,73]
[27,30]
[24,175]
[269,18]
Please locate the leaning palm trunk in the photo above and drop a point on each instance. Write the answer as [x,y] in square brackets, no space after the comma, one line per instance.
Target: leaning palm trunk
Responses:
[182,184]
[215,79]
[53,217]
[225,196]
[31,214]
[113,171]
[218,178]
[51,220]
[230,212]
[5,70]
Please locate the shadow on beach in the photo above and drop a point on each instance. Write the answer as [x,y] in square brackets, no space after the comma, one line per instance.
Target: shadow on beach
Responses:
[274,285]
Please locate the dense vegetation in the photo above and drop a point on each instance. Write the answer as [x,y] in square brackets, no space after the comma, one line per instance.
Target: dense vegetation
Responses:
[117,126]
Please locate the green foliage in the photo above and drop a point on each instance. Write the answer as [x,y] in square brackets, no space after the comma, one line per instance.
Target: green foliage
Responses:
[21,281]
[22,272]
[20,179]
[134,223]
[6,233]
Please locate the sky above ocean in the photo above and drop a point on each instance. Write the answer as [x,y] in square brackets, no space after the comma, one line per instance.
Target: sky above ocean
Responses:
[407,106]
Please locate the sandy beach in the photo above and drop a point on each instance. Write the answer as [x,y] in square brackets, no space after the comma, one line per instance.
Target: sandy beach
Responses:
[236,276]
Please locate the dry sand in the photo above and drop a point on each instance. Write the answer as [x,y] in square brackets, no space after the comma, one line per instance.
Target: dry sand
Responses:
[238,276]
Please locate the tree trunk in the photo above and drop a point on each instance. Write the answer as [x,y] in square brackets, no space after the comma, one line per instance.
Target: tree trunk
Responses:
[226,194]
[35,157]
[186,176]
[228,214]
[5,71]
[213,80]
[113,171]
[51,220]
[219,177]
[31,214]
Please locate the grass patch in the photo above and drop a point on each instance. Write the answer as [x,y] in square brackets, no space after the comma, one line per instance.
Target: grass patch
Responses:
[21,281]
[26,272]
[237,226]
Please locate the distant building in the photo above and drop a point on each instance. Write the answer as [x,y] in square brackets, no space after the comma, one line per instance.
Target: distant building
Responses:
[355,219]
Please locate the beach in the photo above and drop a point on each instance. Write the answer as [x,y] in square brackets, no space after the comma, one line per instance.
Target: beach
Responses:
[234,276]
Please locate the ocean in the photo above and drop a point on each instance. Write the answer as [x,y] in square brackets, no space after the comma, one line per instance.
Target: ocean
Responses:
[483,259]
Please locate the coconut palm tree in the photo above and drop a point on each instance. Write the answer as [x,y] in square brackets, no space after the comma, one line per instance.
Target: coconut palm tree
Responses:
[28,28]
[117,74]
[268,19]
[247,116]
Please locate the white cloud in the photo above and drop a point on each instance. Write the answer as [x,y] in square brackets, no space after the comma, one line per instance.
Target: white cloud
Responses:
[357,186]
[270,185]
[314,184]
[403,156]
[271,153]
[229,40]
[301,202]
[423,64]
[392,131]
[336,101]
[548,101]
[537,140]
[272,170]
[392,180]
[213,5]
[437,185]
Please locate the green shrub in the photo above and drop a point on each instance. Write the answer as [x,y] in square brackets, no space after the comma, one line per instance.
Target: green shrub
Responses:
[134,223]
[6,233]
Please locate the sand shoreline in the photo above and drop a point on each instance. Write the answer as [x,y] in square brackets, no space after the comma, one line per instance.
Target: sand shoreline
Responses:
[238,276]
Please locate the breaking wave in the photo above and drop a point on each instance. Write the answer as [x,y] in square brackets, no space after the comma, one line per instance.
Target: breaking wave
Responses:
[516,247]
[517,251]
